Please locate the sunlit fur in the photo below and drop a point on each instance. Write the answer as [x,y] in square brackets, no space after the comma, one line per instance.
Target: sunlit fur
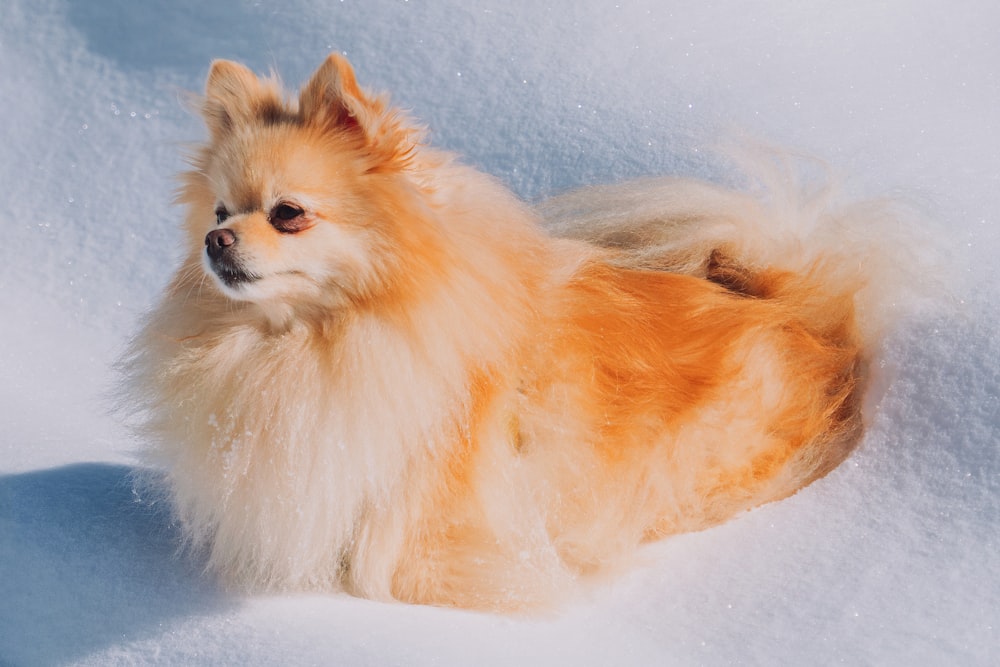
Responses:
[426,397]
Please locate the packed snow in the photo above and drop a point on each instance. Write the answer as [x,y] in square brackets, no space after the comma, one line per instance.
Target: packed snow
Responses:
[894,558]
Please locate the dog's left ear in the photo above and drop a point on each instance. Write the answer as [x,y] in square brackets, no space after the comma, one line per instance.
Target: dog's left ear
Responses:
[333,100]
[332,97]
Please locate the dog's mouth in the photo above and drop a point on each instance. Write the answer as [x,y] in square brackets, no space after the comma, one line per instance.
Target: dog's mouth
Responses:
[232,275]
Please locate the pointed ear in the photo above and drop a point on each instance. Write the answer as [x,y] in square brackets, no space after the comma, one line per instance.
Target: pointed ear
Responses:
[333,100]
[232,94]
[332,97]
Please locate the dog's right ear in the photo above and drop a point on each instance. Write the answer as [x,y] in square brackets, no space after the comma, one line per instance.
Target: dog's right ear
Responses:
[232,95]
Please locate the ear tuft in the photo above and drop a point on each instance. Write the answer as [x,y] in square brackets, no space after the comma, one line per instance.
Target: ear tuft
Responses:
[333,100]
[332,97]
[234,94]
[227,79]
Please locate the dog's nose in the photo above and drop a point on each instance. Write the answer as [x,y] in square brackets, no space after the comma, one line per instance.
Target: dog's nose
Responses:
[218,240]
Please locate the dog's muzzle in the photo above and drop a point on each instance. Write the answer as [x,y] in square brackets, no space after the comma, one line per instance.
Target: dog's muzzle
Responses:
[220,245]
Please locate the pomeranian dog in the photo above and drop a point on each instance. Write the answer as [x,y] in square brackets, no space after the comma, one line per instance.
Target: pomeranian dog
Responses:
[378,371]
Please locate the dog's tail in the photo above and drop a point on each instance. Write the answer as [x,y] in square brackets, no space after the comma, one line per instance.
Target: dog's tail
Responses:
[752,238]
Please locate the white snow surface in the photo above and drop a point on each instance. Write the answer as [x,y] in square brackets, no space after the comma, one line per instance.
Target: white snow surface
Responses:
[893,559]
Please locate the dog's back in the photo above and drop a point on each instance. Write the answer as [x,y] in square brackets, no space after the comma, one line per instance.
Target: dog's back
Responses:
[645,403]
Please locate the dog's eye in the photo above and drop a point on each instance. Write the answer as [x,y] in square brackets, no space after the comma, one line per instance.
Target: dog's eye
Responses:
[286,212]
[221,214]
[288,218]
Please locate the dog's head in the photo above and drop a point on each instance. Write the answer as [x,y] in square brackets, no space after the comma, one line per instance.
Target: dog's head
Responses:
[301,201]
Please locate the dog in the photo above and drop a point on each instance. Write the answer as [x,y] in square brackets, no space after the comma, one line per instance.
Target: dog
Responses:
[378,371]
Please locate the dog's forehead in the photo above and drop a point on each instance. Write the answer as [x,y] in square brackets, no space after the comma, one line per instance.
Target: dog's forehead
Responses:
[253,169]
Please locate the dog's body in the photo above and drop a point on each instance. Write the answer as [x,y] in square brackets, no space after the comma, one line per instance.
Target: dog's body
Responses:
[382,376]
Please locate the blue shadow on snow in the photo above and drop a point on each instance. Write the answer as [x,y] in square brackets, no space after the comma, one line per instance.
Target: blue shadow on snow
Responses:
[85,564]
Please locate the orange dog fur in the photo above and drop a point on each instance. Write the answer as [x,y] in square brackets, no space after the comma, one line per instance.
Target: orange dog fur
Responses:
[382,376]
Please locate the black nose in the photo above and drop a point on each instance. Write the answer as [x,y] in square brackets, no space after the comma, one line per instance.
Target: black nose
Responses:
[218,240]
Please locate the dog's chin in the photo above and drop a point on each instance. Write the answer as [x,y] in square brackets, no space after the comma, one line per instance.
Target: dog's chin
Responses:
[240,284]
[237,288]
[233,280]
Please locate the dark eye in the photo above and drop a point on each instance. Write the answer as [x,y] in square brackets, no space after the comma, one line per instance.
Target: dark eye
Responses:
[221,214]
[285,212]
[288,218]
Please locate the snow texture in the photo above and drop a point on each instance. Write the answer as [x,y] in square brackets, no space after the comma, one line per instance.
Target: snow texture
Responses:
[892,559]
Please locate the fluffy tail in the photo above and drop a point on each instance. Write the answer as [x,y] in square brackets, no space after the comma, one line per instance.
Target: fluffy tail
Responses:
[776,223]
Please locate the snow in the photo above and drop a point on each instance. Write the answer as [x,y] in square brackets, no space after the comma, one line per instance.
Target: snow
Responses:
[894,558]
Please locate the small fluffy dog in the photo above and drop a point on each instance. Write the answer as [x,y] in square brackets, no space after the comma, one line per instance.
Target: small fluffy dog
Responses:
[376,372]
